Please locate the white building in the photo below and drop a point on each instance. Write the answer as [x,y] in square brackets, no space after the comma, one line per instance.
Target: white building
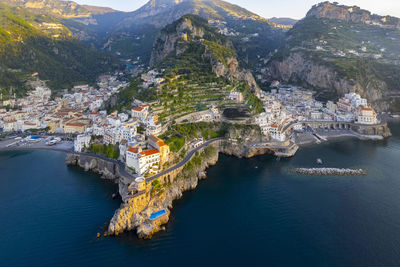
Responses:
[143,161]
[276,134]
[236,96]
[81,142]
[141,112]
[366,116]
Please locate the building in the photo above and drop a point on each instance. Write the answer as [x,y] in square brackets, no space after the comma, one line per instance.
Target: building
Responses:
[141,112]
[143,162]
[332,107]
[155,129]
[344,104]
[160,145]
[236,96]
[81,142]
[75,127]
[366,116]
[276,134]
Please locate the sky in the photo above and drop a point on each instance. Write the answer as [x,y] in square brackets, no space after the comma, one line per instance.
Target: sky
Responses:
[296,9]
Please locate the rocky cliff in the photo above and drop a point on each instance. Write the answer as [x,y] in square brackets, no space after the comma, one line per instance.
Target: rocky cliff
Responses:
[352,14]
[130,216]
[298,68]
[180,36]
[340,49]
[136,216]
[107,169]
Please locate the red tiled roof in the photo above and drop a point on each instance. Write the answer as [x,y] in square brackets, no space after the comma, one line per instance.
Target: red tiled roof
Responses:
[133,150]
[137,109]
[161,143]
[149,152]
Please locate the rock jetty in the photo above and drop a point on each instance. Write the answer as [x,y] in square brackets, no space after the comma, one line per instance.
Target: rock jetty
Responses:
[330,171]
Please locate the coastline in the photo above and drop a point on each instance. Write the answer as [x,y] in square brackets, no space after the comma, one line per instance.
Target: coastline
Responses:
[339,137]
[134,215]
[136,210]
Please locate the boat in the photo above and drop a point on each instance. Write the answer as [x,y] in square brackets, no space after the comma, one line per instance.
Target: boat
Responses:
[319,162]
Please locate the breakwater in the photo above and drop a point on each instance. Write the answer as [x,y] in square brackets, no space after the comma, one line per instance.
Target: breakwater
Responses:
[329,171]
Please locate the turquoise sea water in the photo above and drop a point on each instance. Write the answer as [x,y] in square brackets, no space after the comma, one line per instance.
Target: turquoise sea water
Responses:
[249,212]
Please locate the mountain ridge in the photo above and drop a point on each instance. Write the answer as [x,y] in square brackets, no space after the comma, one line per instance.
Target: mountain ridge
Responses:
[64,9]
[352,14]
[197,68]
[41,45]
[338,49]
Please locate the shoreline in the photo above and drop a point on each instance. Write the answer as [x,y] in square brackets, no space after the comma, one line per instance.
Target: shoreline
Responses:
[136,209]
[339,137]
[135,215]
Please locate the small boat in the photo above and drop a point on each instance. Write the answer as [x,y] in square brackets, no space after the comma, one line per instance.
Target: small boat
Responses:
[319,162]
[114,196]
[256,167]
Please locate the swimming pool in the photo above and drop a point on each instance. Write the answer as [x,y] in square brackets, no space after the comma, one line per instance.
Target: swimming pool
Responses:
[35,137]
[157,214]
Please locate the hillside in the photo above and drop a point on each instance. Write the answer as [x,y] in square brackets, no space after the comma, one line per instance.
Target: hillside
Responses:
[64,9]
[130,33]
[31,43]
[284,21]
[337,49]
[198,68]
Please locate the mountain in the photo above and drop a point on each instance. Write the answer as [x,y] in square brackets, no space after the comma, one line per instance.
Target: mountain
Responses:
[337,49]
[130,34]
[162,12]
[284,21]
[64,9]
[189,31]
[39,44]
[198,67]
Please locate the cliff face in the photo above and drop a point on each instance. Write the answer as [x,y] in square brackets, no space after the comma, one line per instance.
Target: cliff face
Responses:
[298,68]
[351,14]
[136,217]
[108,170]
[173,38]
[130,217]
[343,49]
[178,37]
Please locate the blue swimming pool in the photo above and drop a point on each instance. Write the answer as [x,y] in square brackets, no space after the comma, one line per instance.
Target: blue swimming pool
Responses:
[36,137]
[157,214]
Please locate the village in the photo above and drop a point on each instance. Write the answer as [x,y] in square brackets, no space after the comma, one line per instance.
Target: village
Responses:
[285,105]
[133,137]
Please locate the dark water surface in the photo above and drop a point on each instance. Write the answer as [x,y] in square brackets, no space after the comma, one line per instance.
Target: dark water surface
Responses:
[240,216]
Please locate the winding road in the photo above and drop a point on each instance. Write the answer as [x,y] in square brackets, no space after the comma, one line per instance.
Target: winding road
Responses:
[185,160]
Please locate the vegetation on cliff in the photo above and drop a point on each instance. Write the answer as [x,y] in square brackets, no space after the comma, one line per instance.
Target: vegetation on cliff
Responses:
[198,67]
[343,39]
[110,151]
[31,43]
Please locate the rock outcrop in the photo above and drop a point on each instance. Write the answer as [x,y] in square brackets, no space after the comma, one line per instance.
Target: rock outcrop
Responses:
[299,69]
[339,49]
[136,217]
[176,38]
[352,14]
[129,217]
[107,169]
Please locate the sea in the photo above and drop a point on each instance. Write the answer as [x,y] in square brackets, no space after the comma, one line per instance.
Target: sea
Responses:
[248,212]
